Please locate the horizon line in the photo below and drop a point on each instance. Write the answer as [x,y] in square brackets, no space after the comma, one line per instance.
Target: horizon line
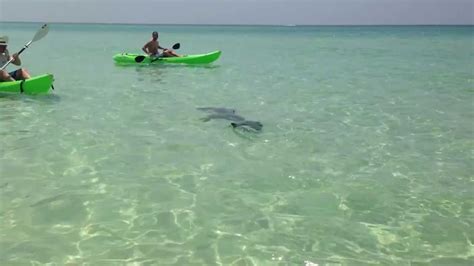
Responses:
[231,24]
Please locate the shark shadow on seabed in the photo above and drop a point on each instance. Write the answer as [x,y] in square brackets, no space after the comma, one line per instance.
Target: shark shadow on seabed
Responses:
[220,113]
[240,125]
[247,125]
[245,133]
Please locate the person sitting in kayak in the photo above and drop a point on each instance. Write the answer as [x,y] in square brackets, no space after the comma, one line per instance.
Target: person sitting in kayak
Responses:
[19,74]
[151,48]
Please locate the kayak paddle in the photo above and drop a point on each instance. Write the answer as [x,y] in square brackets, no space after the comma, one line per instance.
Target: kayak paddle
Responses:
[38,36]
[176,46]
[140,58]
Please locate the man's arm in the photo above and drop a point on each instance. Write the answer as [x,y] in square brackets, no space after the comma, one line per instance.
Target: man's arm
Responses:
[16,59]
[145,48]
[162,48]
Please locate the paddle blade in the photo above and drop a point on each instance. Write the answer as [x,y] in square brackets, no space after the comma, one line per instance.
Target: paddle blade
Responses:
[41,33]
[176,46]
[140,58]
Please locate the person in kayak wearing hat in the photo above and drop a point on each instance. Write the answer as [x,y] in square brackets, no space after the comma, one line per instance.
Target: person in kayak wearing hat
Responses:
[19,74]
[151,48]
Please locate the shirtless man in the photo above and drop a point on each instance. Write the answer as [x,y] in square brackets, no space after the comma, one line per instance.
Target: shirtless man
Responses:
[151,48]
[18,74]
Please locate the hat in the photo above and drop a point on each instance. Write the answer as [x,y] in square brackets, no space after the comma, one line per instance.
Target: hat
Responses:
[4,40]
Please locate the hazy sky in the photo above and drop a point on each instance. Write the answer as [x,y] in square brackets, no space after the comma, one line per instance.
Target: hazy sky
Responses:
[317,12]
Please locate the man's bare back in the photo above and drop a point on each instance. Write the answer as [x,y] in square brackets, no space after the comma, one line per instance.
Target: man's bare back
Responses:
[151,47]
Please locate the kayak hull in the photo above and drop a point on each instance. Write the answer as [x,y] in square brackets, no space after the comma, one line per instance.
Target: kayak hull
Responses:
[35,85]
[129,58]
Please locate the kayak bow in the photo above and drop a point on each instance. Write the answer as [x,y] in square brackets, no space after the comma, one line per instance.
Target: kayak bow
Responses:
[35,85]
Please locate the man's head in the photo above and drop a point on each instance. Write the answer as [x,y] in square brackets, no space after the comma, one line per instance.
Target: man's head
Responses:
[155,35]
[3,43]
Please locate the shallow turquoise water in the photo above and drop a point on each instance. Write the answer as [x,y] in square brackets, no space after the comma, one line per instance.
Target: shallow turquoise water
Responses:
[366,154]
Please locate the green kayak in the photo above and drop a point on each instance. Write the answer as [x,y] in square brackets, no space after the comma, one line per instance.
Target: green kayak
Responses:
[127,58]
[34,85]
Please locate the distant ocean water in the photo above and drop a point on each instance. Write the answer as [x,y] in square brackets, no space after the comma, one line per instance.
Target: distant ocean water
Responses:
[365,158]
